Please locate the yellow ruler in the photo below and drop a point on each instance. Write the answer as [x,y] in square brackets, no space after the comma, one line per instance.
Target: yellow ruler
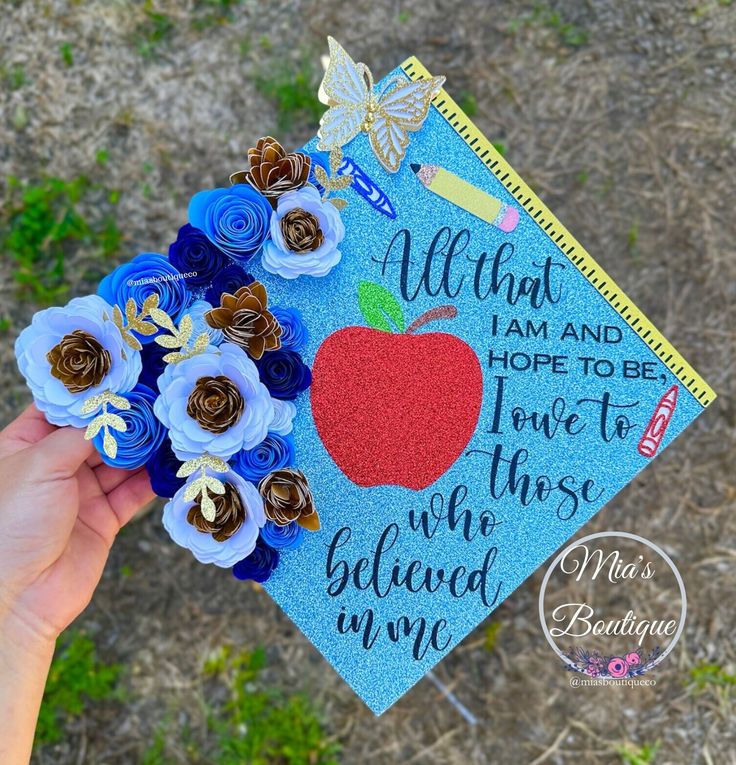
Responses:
[564,240]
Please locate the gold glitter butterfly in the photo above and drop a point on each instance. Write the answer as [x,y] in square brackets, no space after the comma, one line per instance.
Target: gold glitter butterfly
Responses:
[387,116]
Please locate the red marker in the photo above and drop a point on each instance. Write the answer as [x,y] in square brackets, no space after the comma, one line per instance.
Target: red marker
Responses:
[655,431]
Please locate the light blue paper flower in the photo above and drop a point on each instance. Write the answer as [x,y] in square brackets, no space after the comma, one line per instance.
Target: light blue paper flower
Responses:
[188,438]
[147,273]
[197,310]
[283,417]
[279,259]
[203,546]
[90,314]
[235,219]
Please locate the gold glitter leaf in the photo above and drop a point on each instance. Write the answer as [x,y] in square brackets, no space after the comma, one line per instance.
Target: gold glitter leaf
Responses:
[162,319]
[335,160]
[340,204]
[193,490]
[321,176]
[110,445]
[149,304]
[172,358]
[207,508]
[131,311]
[203,461]
[214,484]
[185,329]
[116,422]
[92,404]
[340,182]
[117,317]
[167,341]
[93,429]
[117,401]
[145,328]
[201,343]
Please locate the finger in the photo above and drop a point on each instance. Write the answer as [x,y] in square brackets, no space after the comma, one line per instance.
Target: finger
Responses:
[95,459]
[28,428]
[130,496]
[59,454]
[110,477]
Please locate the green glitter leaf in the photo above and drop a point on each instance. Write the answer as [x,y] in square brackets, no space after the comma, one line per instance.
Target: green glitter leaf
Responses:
[378,305]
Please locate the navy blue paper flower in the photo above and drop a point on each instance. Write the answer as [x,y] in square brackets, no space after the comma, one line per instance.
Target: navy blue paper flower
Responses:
[230,279]
[259,565]
[161,468]
[196,257]
[273,453]
[284,374]
[143,435]
[147,273]
[152,358]
[287,537]
[236,219]
[294,335]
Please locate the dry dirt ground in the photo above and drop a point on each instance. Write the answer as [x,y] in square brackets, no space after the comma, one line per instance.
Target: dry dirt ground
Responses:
[622,115]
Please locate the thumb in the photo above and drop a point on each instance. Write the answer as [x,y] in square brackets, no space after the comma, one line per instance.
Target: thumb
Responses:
[59,454]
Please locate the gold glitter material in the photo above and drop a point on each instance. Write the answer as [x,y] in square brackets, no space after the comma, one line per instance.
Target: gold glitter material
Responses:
[333,182]
[106,421]
[201,486]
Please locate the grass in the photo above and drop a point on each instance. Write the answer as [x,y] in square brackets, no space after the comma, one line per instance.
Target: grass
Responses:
[467,102]
[41,225]
[568,34]
[706,675]
[66,51]
[210,13]
[634,755]
[293,91]
[76,677]
[491,636]
[14,77]
[154,31]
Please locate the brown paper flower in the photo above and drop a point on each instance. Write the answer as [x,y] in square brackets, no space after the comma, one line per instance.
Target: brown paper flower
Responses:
[229,515]
[79,361]
[216,403]
[287,497]
[301,231]
[245,320]
[272,171]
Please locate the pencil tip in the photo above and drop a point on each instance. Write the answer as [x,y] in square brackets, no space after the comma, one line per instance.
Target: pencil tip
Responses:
[415,167]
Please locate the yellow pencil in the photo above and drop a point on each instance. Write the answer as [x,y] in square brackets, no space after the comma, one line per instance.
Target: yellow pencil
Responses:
[463,194]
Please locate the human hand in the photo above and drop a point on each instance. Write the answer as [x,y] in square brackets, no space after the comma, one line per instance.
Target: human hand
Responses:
[60,510]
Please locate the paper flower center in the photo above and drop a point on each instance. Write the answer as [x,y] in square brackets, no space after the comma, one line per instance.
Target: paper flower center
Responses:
[287,497]
[79,361]
[230,515]
[216,403]
[301,230]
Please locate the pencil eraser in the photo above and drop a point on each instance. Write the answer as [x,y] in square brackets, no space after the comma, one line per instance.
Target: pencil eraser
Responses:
[509,220]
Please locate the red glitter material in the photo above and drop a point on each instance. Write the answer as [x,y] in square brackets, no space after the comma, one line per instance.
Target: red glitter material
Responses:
[395,408]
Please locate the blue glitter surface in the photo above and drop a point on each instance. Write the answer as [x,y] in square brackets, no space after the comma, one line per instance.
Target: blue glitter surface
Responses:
[527,535]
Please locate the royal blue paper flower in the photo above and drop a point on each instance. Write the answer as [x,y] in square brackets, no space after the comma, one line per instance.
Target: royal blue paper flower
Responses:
[147,273]
[284,374]
[272,453]
[294,335]
[60,402]
[152,358]
[259,565]
[144,433]
[278,256]
[178,382]
[228,280]
[287,537]
[162,467]
[236,219]
[204,547]
[197,310]
[194,255]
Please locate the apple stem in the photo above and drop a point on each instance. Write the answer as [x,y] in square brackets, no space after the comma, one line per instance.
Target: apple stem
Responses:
[433,314]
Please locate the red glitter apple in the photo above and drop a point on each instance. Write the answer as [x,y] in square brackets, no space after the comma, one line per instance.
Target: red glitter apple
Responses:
[391,407]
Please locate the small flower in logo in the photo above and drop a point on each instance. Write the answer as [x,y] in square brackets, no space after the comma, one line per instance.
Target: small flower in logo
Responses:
[592,669]
[633,659]
[617,667]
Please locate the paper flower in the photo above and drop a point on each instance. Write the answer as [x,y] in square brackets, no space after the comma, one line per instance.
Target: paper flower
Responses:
[143,435]
[284,374]
[272,453]
[305,234]
[194,255]
[288,537]
[237,543]
[245,320]
[147,273]
[152,359]
[259,565]
[283,417]
[214,402]
[229,280]
[162,467]
[273,171]
[294,335]
[617,667]
[198,310]
[234,219]
[64,369]
[287,497]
